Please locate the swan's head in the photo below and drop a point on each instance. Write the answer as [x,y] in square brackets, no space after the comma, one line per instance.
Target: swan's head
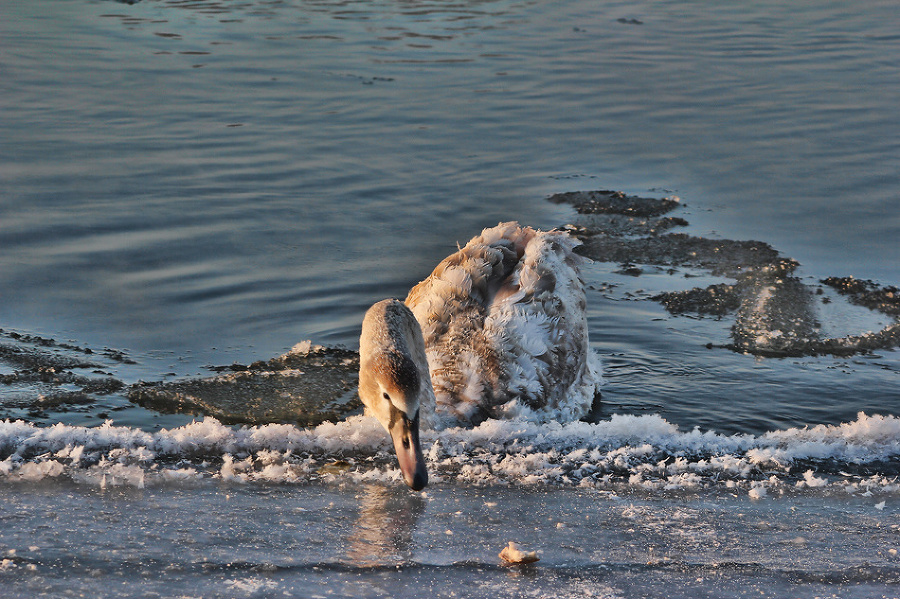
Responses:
[394,382]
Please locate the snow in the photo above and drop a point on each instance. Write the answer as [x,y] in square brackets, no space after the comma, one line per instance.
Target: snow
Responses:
[641,452]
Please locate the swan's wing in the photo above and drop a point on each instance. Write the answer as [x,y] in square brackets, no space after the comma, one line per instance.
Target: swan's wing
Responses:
[451,305]
[504,326]
[542,334]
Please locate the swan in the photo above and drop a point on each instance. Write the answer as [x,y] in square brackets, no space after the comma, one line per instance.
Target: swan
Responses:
[497,330]
[394,384]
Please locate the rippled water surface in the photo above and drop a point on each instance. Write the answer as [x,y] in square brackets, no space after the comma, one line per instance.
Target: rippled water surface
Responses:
[214,181]
[201,182]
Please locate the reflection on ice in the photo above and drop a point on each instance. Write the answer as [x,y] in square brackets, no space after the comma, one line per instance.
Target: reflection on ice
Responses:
[383,532]
[301,540]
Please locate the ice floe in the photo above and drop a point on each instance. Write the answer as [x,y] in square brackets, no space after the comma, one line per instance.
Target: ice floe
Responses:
[776,311]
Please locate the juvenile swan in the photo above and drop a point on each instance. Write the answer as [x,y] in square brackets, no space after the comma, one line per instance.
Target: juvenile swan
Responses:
[394,383]
[498,329]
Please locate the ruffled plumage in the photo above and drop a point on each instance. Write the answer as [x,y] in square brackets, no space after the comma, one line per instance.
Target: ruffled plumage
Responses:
[505,330]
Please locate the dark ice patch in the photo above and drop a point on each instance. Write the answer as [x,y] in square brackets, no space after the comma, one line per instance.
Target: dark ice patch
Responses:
[868,294]
[716,300]
[304,387]
[39,374]
[719,256]
[41,378]
[615,202]
[774,310]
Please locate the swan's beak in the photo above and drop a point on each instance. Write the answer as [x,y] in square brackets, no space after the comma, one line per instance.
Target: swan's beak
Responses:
[405,434]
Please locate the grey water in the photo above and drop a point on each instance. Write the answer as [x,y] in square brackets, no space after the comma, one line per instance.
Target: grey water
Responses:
[205,182]
[201,182]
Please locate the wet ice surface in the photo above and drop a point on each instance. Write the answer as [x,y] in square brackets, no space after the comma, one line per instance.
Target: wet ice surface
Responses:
[355,540]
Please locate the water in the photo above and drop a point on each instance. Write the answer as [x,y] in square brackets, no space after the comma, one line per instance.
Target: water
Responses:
[197,183]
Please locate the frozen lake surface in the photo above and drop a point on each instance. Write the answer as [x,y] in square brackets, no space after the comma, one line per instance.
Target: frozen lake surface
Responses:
[211,539]
[630,507]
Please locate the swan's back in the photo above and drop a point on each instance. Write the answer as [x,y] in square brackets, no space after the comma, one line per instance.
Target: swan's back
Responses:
[505,327]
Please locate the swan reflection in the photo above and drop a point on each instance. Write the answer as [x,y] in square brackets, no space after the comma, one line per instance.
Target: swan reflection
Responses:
[384,529]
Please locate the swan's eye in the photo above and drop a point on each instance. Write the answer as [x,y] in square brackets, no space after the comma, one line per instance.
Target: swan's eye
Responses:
[387,397]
